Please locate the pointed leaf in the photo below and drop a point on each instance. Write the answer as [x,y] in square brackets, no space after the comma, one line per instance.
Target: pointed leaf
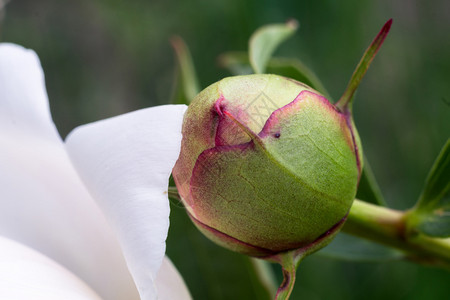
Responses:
[186,85]
[438,181]
[265,40]
[431,215]
[346,99]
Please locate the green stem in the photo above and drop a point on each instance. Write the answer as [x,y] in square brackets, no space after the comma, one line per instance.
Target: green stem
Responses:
[384,226]
[285,290]
[289,262]
[389,227]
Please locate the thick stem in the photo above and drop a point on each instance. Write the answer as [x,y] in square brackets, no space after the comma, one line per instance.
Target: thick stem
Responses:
[384,226]
[388,227]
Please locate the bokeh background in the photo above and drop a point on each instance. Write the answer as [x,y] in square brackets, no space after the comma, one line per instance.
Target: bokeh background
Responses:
[106,57]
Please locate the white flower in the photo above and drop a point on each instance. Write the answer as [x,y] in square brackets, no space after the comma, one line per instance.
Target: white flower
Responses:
[77,218]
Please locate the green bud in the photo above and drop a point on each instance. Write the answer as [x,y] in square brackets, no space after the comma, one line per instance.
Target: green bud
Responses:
[267,164]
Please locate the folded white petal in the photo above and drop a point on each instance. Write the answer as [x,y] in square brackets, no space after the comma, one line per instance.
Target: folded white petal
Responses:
[23,99]
[26,274]
[169,283]
[126,162]
[43,203]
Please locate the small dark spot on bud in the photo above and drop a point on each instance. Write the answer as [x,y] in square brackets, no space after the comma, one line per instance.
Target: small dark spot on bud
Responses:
[277,135]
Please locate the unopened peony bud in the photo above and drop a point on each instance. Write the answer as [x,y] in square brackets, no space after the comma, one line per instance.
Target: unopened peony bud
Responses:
[267,164]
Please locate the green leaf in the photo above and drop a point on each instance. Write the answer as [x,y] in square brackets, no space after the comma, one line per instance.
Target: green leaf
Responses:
[431,215]
[295,69]
[351,248]
[186,84]
[201,263]
[265,40]
[436,223]
[368,189]
[437,184]
[345,102]
[238,64]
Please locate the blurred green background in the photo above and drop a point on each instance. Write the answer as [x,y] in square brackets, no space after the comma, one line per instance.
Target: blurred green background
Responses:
[106,57]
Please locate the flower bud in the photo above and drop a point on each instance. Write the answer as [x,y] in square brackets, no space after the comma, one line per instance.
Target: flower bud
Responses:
[267,164]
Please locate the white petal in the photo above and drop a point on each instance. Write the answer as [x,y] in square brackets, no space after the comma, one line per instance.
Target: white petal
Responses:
[22,93]
[43,203]
[26,274]
[169,283]
[126,162]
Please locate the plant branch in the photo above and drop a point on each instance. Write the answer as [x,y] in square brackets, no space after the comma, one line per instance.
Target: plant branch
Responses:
[387,226]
